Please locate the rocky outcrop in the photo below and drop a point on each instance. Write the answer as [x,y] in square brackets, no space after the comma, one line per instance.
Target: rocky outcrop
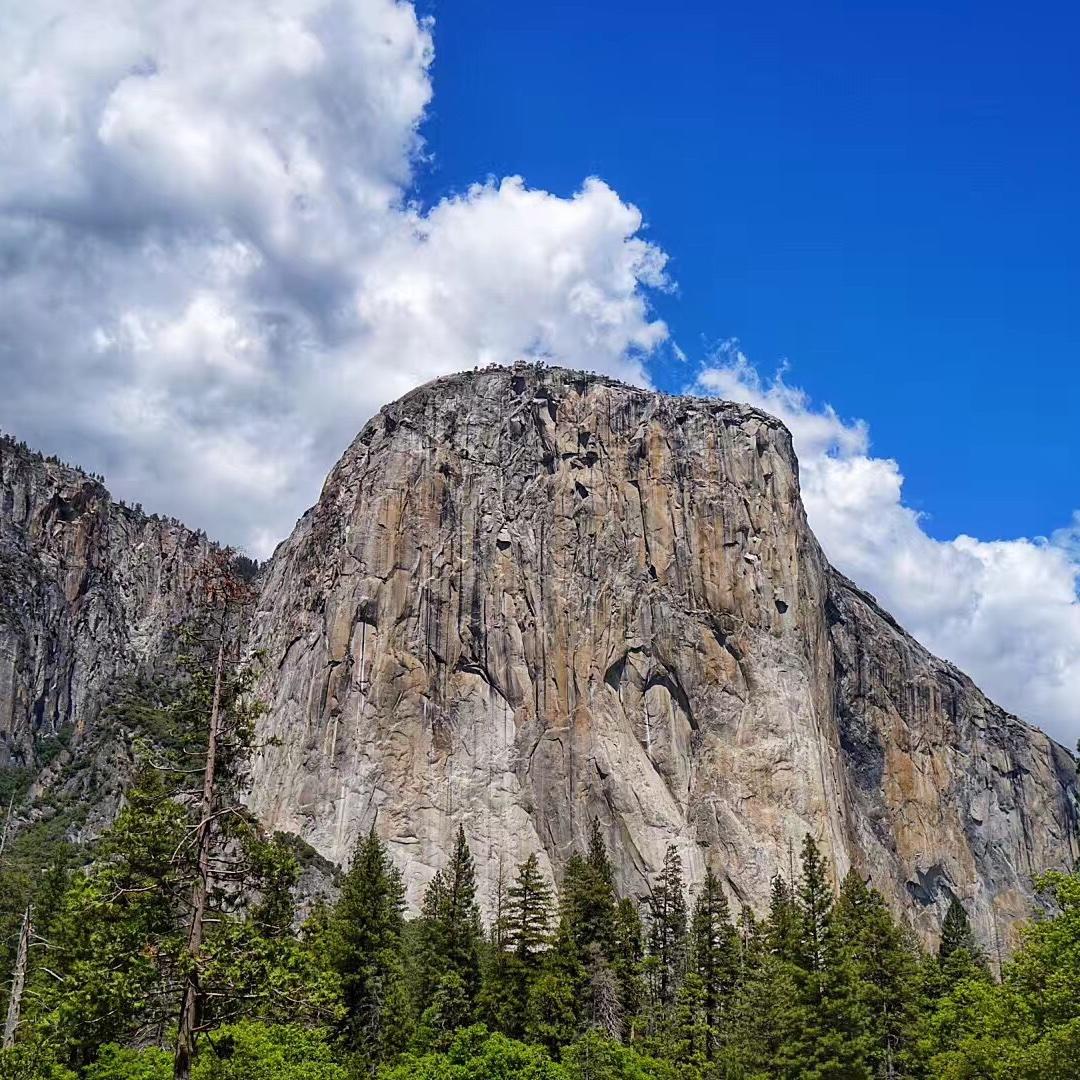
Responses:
[89,590]
[530,598]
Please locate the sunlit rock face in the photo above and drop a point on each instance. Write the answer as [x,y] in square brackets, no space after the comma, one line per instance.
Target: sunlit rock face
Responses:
[530,598]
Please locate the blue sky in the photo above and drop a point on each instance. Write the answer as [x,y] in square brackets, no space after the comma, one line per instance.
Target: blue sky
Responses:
[884,195]
[230,233]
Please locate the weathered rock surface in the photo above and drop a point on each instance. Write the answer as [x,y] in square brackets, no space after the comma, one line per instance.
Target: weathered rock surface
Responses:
[528,598]
[89,589]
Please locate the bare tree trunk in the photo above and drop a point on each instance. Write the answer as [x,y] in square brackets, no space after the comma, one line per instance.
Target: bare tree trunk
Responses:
[190,1005]
[7,825]
[18,983]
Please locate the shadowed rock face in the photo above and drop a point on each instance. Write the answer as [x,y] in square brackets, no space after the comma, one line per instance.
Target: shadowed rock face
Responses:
[89,590]
[530,598]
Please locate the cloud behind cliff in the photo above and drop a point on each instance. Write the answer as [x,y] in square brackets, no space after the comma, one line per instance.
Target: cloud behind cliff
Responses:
[213,274]
[1005,611]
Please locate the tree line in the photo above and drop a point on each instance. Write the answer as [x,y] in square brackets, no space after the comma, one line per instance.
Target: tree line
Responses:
[173,947]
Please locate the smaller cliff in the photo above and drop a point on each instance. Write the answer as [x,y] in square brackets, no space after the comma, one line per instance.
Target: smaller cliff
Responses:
[90,590]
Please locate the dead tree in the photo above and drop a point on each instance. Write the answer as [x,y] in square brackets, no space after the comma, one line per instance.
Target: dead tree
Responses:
[18,982]
[224,593]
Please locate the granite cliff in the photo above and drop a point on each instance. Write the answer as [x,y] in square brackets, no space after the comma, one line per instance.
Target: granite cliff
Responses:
[529,598]
[91,591]
[89,588]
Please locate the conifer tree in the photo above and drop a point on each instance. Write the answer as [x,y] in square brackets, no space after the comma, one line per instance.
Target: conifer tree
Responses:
[626,966]
[364,945]
[528,913]
[884,969]
[185,897]
[782,930]
[449,933]
[588,910]
[827,1030]
[520,937]
[765,994]
[959,955]
[668,929]
[597,910]
[588,897]
[554,997]
[815,900]
[715,953]
[956,932]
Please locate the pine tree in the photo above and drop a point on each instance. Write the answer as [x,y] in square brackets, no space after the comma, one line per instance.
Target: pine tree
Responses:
[597,911]
[364,945]
[447,1009]
[173,915]
[765,992]
[226,597]
[588,910]
[815,900]
[519,939]
[667,929]
[782,930]
[554,997]
[959,955]
[956,932]
[448,933]
[528,912]
[588,897]
[626,966]
[826,1032]
[715,953]
[461,917]
[884,968]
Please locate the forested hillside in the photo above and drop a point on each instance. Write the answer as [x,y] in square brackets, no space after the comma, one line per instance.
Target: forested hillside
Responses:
[175,945]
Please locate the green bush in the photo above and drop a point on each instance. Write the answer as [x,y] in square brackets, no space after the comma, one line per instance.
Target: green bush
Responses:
[477,1054]
[245,1051]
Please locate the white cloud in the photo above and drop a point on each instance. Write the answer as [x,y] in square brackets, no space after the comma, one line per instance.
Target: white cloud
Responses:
[1005,611]
[213,275]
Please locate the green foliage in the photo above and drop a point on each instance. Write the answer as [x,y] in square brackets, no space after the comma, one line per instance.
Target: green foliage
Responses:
[594,1057]
[716,961]
[555,996]
[627,964]
[117,941]
[884,967]
[528,917]
[825,987]
[1027,1027]
[477,1054]
[446,942]
[244,1051]
[588,899]
[32,1058]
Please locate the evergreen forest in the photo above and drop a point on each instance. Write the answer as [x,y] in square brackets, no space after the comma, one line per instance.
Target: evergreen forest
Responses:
[181,941]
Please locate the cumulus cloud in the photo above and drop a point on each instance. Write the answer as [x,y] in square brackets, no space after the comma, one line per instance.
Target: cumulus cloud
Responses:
[213,274]
[1005,611]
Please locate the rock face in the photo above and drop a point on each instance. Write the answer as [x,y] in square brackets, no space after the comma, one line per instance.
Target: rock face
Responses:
[89,589]
[530,598]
